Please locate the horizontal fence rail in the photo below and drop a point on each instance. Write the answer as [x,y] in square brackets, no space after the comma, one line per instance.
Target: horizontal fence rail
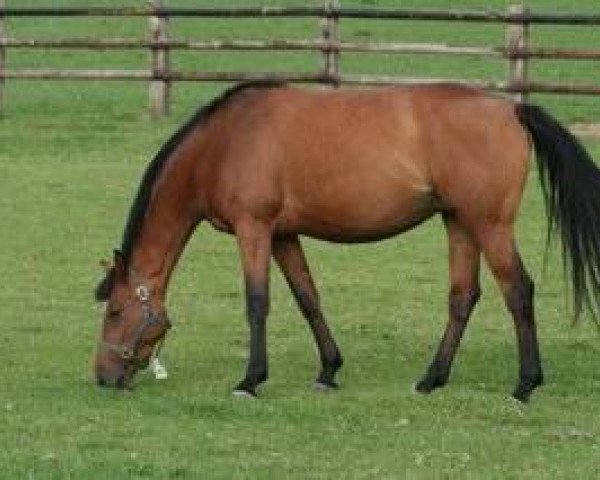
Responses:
[309,12]
[160,74]
[300,45]
[348,79]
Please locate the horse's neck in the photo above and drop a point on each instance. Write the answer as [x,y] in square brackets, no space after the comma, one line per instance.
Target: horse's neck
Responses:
[165,231]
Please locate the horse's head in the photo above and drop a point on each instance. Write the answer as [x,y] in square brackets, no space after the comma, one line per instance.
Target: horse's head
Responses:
[134,322]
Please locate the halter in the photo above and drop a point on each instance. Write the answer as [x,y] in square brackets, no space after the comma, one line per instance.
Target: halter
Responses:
[128,352]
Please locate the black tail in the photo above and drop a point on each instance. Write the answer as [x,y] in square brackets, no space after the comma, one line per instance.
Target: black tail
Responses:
[571,185]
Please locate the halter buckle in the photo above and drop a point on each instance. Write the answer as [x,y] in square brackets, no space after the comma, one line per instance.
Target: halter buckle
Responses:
[126,353]
[143,293]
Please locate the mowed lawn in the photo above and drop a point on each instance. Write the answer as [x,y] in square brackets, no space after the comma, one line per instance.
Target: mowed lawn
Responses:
[71,155]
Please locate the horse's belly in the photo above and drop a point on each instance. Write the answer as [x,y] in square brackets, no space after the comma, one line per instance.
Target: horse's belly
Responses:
[356,189]
[359,218]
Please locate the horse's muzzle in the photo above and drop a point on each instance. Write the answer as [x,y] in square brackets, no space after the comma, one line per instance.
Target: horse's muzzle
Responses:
[116,377]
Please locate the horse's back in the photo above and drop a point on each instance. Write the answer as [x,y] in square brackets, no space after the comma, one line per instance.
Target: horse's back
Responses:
[357,164]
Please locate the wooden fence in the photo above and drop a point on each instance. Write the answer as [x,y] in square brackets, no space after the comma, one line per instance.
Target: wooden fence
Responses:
[160,74]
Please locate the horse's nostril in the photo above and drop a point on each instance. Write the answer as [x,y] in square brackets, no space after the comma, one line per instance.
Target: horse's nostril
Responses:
[100,381]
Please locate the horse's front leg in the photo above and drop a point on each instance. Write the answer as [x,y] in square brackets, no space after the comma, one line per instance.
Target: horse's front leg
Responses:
[254,241]
[289,255]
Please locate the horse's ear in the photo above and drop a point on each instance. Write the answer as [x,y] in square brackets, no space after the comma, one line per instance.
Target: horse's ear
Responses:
[119,263]
[105,286]
[106,265]
[113,272]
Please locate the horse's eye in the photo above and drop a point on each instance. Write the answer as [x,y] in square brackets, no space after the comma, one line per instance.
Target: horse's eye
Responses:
[114,314]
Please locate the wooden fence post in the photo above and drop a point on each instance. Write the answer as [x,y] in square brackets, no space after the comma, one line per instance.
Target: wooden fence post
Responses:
[160,87]
[2,58]
[517,39]
[330,33]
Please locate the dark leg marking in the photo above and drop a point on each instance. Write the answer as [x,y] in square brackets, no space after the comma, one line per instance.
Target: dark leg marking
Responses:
[290,257]
[331,359]
[519,300]
[460,306]
[257,305]
[255,249]
[506,265]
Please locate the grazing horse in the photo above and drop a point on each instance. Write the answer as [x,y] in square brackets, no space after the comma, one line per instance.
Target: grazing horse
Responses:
[268,162]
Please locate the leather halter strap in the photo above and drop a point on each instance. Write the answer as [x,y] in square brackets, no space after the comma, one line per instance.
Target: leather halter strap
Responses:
[128,351]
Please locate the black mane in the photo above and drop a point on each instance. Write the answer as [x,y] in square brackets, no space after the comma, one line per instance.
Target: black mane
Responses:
[155,167]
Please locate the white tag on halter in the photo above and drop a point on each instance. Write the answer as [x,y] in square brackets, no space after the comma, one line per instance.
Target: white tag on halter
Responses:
[157,368]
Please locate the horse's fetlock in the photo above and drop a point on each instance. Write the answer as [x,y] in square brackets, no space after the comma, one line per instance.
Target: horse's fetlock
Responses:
[337,361]
[262,377]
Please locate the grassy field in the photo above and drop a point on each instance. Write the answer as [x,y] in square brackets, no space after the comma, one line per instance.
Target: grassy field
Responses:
[71,155]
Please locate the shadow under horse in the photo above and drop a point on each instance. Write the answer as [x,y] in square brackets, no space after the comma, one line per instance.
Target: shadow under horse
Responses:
[268,162]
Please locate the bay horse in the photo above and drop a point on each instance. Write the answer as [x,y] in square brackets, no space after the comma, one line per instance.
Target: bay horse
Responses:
[268,162]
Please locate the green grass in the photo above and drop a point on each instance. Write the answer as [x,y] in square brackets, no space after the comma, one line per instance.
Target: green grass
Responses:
[71,155]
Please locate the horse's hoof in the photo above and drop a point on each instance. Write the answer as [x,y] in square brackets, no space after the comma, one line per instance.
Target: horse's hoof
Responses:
[429,384]
[516,406]
[521,397]
[420,389]
[325,387]
[244,394]
[526,387]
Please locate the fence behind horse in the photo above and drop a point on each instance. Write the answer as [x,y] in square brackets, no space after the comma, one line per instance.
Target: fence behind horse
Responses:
[160,74]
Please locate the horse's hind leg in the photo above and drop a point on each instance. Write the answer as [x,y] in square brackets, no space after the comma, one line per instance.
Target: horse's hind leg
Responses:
[503,258]
[289,256]
[464,292]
